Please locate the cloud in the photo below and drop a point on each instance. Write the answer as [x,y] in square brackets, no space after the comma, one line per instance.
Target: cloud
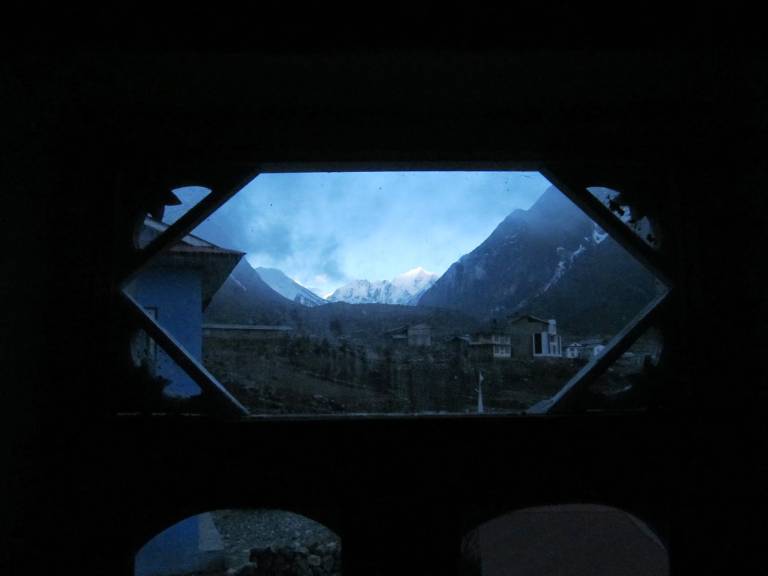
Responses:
[327,228]
[329,262]
[273,239]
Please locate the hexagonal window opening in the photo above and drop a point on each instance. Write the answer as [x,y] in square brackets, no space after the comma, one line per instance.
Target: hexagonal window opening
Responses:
[418,292]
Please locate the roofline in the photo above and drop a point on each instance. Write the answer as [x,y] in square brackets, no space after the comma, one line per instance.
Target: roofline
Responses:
[536,318]
[214,248]
[252,327]
[188,249]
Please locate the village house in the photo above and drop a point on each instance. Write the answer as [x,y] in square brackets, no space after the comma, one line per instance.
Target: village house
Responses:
[419,335]
[175,288]
[573,350]
[591,348]
[415,336]
[459,344]
[490,346]
[533,337]
[523,338]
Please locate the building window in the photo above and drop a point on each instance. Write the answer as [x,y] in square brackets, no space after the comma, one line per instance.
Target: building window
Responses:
[537,343]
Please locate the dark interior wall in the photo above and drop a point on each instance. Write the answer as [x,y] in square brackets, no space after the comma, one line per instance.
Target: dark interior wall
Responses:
[96,139]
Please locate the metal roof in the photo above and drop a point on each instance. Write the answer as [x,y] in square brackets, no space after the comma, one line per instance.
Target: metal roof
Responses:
[214,262]
[529,317]
[252,327]
[190,242]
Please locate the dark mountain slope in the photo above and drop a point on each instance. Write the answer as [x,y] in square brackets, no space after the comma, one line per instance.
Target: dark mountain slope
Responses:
[515,262]
[245,298]
[551,260]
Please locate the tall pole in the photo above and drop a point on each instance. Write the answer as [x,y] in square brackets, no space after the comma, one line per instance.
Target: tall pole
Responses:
[480,408]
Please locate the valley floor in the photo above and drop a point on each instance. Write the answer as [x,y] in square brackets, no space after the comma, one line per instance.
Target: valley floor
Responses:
[294,376]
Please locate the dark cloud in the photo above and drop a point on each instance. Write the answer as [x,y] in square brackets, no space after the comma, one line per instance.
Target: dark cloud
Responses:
[273,239]
[329,261]
[328,228]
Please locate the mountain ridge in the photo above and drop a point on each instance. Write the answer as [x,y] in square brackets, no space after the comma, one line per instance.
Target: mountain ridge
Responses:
[405,289]
[245,298]
[289,288]
[548,260]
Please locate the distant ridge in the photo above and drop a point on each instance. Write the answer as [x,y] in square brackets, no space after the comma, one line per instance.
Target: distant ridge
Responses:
[288,288]
[405,289]
[245,298]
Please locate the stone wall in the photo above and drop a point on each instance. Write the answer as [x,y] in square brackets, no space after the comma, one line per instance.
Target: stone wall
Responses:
[319,559]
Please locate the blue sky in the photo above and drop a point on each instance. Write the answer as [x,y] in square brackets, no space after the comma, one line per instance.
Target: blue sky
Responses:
[326,229]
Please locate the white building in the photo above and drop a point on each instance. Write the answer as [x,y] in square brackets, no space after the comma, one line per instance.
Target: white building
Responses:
[549,343]
[586,349]
[573,350]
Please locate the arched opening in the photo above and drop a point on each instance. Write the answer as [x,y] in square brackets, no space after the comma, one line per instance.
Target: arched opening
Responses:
[568,540]
[242,542]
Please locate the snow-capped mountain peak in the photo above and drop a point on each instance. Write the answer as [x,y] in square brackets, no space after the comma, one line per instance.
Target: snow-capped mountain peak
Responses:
[414,280]
[418,271]
[405,289]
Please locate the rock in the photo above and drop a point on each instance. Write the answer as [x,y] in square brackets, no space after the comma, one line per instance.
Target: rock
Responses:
[328,562]
[244,570]
[302,567]
[314,560]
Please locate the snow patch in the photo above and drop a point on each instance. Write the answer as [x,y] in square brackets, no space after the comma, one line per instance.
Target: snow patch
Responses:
[598,235]
[404,289]
[579,251]
[559,271]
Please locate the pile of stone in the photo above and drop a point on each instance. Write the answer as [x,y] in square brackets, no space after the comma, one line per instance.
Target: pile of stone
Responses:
[318,559]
